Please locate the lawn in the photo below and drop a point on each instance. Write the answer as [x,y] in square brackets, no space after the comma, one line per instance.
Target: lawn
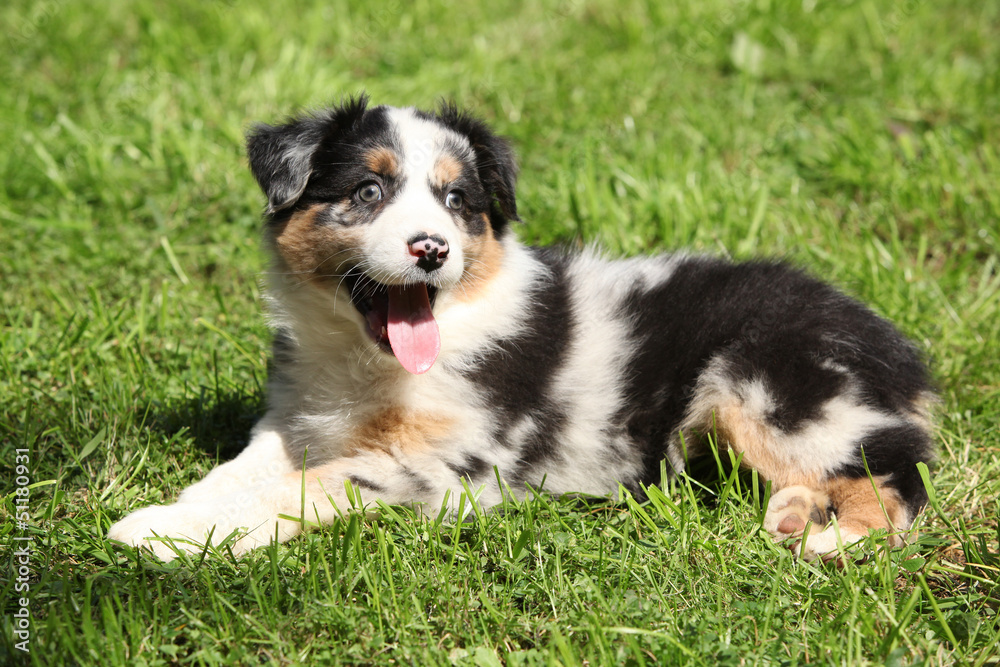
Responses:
[860,140]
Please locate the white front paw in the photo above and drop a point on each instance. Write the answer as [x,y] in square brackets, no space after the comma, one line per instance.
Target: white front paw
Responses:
[187,525]
[191,524]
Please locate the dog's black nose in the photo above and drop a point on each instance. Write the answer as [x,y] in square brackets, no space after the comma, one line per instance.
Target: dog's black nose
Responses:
[431,250]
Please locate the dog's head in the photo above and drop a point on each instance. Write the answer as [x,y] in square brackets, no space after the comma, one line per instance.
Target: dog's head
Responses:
[384,208]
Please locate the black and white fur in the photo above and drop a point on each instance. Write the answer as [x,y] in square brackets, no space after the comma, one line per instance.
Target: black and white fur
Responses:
[558,369]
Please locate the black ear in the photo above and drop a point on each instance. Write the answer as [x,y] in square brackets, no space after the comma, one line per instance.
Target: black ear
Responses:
[281,159]
[494,161]
[281,156]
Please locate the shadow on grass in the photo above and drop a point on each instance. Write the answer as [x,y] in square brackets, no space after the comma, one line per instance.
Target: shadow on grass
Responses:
[219,422]
[711,476]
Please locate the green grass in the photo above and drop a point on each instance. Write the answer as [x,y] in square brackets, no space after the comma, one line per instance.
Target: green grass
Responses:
[857,139]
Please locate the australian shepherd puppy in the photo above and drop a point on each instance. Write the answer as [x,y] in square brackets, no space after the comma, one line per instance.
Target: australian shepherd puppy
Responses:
[421,349]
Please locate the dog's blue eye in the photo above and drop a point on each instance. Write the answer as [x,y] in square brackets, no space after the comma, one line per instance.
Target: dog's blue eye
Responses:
[454,200]
[369,192]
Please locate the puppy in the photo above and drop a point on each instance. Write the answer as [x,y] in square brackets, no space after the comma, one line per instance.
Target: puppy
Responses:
[420,348]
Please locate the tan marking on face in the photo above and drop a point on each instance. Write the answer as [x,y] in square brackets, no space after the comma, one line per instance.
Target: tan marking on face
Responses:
[383,161]
[483,260]
[398,429]
[861,509]
[755,441]
[313,252]
[447,169]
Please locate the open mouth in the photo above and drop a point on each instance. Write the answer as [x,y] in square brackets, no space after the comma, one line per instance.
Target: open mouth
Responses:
[398,318]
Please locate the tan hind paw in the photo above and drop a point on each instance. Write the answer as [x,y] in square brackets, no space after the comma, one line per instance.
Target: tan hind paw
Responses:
[791,509]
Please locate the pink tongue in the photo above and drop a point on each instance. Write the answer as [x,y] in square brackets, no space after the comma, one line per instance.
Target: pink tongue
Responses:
[413,333]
